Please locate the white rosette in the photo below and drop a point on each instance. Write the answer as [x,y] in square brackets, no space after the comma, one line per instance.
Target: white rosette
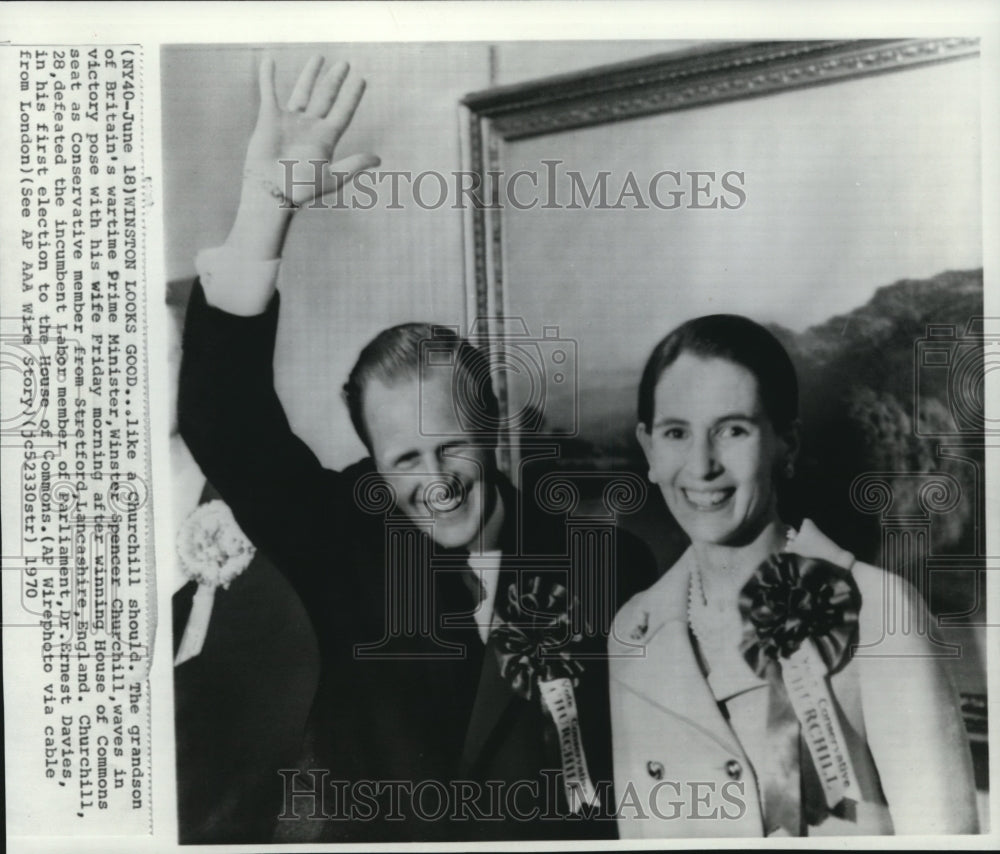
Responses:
[213,551]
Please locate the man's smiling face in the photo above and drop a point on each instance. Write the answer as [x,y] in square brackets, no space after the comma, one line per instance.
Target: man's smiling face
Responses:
[439,474]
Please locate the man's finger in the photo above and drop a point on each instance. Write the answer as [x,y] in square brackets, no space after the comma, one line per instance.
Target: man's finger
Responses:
[346,170]
[299,98]
[324,93]
[343,110]
[265,77]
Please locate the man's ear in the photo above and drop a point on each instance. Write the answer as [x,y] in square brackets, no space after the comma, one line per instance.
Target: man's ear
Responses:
[646,443]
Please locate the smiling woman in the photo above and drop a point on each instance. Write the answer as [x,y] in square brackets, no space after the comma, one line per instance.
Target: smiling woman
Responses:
[719,425]
[759,633]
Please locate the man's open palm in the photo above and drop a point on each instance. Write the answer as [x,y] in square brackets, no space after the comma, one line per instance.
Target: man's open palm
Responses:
[307,129]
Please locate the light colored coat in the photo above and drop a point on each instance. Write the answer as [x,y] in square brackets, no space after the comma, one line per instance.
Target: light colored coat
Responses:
[680,771]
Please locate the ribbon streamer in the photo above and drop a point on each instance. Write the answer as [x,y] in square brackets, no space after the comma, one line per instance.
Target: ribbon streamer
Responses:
[804,675]
[532,646]
[196,629]
[801,614]
[559,701]
[780,774]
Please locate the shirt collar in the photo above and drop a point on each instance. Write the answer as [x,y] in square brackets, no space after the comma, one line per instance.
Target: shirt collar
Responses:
[487,565]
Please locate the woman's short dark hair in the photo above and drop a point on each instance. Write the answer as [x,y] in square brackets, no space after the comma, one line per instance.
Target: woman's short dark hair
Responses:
[398,353]
[736,339]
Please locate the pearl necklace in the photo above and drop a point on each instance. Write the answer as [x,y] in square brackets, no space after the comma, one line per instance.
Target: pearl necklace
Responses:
[707,620]
[717,626]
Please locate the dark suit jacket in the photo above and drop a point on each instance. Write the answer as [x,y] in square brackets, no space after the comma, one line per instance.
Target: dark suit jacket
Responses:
[402,696]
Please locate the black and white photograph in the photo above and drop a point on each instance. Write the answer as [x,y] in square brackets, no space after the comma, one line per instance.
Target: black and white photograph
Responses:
[465,426]
[669,353]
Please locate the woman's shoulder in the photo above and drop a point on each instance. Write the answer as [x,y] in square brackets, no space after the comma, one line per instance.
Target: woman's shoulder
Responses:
[874,583]
[653,605]
[894,622]
[871,581]
[630,614]
[887,595]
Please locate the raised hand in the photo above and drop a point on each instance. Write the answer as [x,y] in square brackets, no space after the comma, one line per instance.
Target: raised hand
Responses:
[306,130]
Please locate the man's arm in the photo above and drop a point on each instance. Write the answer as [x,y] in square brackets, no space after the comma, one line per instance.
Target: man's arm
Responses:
[233,423]
[229,413]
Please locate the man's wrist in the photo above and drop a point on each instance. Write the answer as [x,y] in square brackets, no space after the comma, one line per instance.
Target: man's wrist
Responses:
[258,184]
[236,283]
[260,225]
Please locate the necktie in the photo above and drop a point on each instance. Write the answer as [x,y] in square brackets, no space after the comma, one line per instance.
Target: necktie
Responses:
[460,593]
[473,581]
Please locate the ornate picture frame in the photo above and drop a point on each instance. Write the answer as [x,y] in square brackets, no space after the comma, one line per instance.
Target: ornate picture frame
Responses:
[495,120]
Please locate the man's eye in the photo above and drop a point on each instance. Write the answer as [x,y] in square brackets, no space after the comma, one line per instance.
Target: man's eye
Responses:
[405,464]
[734,431]
[674,433]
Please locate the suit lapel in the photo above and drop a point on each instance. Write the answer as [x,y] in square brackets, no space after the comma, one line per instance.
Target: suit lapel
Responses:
[667,674]
[493,698]
[496,703]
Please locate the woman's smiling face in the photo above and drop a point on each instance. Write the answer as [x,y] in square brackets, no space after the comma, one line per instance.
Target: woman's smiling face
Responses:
[713,450]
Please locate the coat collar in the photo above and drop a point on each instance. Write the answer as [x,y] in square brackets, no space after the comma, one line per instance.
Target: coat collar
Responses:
[653,656]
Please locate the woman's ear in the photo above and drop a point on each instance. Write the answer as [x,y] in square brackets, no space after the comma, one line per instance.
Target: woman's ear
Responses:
[792,440]
[646,443]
